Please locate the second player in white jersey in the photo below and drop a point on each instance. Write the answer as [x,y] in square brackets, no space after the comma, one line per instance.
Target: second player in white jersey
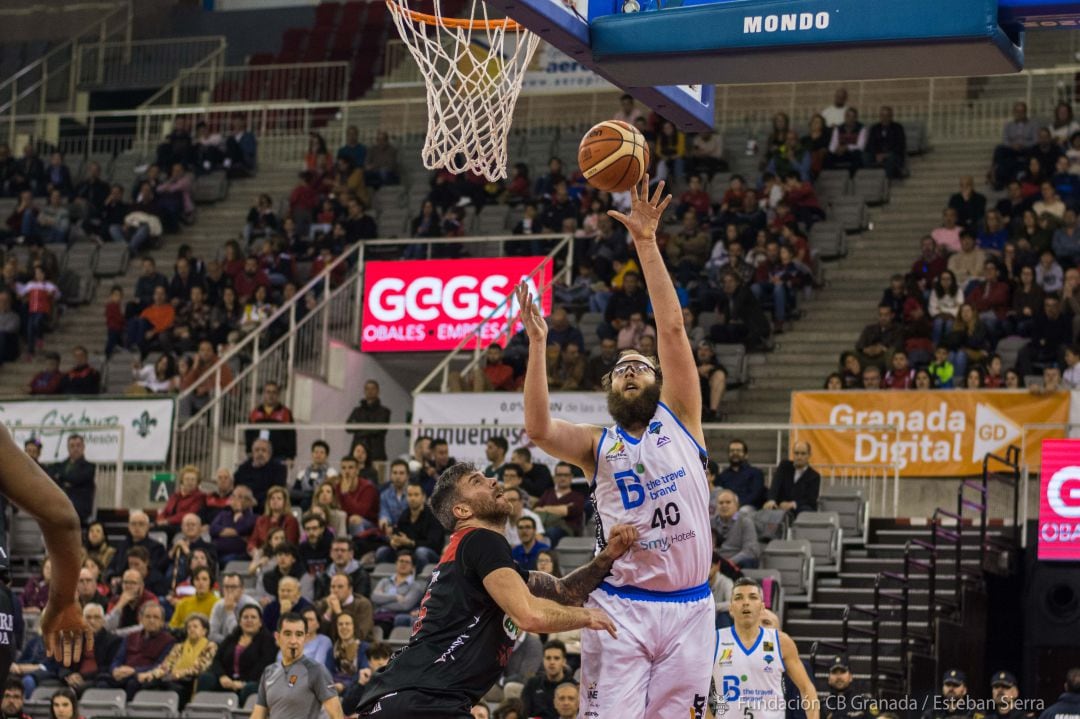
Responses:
[750,662]
[658,484]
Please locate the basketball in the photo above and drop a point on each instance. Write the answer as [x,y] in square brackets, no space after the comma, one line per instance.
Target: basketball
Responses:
[613,156]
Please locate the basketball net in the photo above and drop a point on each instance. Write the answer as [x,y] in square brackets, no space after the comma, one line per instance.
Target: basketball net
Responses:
[473,80]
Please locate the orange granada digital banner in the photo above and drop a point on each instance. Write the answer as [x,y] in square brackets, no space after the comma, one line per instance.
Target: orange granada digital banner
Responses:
[943,433]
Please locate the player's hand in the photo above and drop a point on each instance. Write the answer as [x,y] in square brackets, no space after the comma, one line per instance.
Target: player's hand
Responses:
[620,538]
[66,632]
[535,326]
[600,621]
[645,212]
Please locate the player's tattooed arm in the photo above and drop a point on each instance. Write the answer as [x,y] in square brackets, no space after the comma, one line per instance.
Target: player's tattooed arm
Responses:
[574,588]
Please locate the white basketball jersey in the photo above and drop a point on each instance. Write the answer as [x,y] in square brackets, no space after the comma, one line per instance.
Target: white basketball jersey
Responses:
[749,681]
[657,484]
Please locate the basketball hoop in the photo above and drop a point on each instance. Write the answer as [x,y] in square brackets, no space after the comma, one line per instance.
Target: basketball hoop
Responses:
[472,80]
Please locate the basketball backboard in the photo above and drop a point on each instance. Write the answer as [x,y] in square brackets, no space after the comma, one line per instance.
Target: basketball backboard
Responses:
[669,54]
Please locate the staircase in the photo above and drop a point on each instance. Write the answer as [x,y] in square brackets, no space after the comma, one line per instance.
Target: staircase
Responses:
[807,353]
[215,224]
[822,620]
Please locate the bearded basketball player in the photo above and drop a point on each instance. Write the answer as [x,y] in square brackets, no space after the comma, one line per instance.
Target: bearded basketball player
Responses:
[648,471]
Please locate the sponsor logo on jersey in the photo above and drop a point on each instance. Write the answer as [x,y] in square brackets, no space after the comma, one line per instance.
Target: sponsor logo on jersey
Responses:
[292,680]
[767,647]
[663,544]
[654,428]
[663,440]
[769,658]
[616,450]
[509,627]
[725,656]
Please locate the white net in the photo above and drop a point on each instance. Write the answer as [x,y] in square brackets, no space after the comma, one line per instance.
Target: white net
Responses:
[473,69]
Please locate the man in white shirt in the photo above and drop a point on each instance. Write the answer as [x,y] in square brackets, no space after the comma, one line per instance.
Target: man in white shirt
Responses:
[834,114]
[1071,378]
[513,496]
[628,111]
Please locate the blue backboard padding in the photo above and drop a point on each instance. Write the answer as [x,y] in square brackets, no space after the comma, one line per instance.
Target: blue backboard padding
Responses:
[745,24]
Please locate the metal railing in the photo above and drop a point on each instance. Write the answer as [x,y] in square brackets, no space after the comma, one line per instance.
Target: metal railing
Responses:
[52,78]
[140,64]
[210,81]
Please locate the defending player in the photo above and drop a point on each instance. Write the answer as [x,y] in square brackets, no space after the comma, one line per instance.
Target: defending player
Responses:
[751,661]
[24,483]
[648,470]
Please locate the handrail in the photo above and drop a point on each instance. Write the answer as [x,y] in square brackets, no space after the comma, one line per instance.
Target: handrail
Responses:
[173,88]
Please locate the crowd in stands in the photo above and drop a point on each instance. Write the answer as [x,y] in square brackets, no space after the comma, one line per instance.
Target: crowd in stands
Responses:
[993,299]
[187,598]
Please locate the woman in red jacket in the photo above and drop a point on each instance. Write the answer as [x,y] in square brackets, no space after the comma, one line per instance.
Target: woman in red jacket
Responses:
[187,499]
[278,513]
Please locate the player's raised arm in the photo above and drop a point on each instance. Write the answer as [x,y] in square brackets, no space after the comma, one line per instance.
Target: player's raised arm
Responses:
[575,587]
[574,443]
[796,672]
[680,392]
[31,490]
[538,615]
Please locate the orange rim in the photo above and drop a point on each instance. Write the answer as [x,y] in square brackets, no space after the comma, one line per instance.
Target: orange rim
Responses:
[506,23]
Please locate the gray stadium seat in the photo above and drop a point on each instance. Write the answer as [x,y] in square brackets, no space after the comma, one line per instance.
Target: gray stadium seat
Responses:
[733,357]
[211,705]
[916,136]
[794,559]
[27,544]
[210,188]
[161,537]
[1009,349]
[383,569]
[872,185]
[79,257]
[150,703]
[575,551]
[822,530]
[828,240]
[399,636]
[832,183]
[850,506]
[849,212]
[512,690]
[112,260]
[102,703]
[707,319]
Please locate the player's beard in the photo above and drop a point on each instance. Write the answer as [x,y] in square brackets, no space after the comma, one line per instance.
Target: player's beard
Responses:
[489,510]
[634,411]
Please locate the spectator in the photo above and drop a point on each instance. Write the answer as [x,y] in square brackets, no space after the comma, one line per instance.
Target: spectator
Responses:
[535,477]
[123,612]
[561,332]
[900,374]
[945,301]
[970,206]
[628,111]
[97,544]
[848,143]
[219,498]
[791,157]
[233,526]
[746,481]
[516,497]
[706,154]
[886,145]
[58,177]
[496,375]
[288,599]
[1019,137]
[967,265]
[36,592]
[241,657]
[82,671]
[187,499]
[241,149]
[670,152]
[526,552]
[601,363]
[538,694]
[261,471]
[315,547]
[633,332]
[277,514]
[969,341]
[186,660]
[947,237]
[358,497]
[1048,273]
[325,501]
[75,475]
[174,196]
[343,563]
[395,597]
[930,263]
[416,530]
[561,509]
[712,376]
[141,652]
[736,537]
[52,223]
[153,326]
[1066,240]
[877,341]
[381,165]
[1051,331]
[48,380]
[271,411]
[353,148]
[38,297]
[182,553]
[343,601]
[320,470]
[835,113]
[10,323]
[1049,202]
[201,602]
[370,411]
[138,536]
[1027,300]
[941,369]
[990,298]
[796,484]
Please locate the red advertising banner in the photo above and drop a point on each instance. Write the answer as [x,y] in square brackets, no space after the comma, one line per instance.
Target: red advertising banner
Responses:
[1059,500]
[424,305]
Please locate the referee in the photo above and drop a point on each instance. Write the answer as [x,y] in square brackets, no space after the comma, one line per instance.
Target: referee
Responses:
[295,687]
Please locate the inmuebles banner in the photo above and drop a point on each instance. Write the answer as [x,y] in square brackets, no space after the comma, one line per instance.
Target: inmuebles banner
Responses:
[941,433]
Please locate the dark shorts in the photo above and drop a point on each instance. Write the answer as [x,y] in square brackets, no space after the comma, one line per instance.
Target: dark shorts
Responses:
[412,704]
[8,607]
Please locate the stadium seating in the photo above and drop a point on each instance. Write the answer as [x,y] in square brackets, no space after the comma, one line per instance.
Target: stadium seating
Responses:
[210,705]
[794,559]
[153,704]
[849,505]
[822,530]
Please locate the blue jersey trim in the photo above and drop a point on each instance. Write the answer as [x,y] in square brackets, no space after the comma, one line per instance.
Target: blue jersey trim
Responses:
[684,429]
[738,642]
[596,469]
[628,437]
[780,651]
[692,594]
[716,647]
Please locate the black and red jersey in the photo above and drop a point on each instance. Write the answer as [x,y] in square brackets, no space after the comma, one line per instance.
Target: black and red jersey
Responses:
[462,639]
